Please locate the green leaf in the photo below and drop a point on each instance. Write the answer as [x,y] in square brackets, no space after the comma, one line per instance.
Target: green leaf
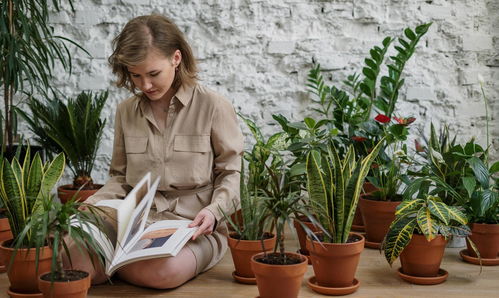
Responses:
[387,41]
[457,215]
[469,184]
[375,55]
[407,206]
[440,210]
[365,88]
[398,236]
[494,168]
[410,34]
[488,201]
[369,73]
[480,171]
[426,223]
[298,125]
[370,63]
[309,122]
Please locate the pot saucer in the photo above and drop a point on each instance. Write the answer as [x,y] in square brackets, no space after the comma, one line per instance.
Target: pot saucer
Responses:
[244,280]
[358,228]
[375,245]
[306,255]
[418,280]
[21,295]
[312,283]
[485,262]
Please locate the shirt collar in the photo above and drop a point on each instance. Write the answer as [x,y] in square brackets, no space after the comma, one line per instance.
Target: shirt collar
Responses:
[184,95]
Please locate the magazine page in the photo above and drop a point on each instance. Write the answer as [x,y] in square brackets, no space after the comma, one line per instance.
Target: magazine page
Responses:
[129,204]
[137,221]
[161,239]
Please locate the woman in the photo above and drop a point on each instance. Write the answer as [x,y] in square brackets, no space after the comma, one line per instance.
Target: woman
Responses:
[179,131]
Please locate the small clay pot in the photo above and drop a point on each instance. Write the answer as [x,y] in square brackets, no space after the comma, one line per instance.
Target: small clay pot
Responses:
[279,280]
[23,275]
[421,257]
[486,239]
[377,216]
[335,264]
[302,235]
[66,192]
[243,250]
[65,289]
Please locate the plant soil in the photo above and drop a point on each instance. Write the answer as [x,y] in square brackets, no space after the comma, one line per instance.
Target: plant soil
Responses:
[265,236]
[277,259]
[71,275]
[90,187]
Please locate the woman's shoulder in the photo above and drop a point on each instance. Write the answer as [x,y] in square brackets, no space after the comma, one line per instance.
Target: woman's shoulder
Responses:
[209,96]
[131,102]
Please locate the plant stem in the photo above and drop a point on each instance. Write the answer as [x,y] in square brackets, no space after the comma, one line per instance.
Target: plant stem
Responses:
[486,122]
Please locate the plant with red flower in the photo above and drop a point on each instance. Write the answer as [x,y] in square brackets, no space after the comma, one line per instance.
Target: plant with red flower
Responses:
[404,121]
[358,139]
[382,118]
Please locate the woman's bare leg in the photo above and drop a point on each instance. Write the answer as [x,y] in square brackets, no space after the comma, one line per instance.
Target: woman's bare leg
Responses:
[81,260]
[161,273]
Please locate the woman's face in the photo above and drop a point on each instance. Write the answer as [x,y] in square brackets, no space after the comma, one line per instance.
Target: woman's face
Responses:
[154,76]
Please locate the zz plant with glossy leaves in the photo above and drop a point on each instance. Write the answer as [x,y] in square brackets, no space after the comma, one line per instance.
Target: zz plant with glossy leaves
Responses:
[22,188]
[429,217]
[334,187]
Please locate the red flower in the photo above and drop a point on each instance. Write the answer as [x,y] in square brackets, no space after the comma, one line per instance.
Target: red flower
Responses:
[382,118]
[418,146]
[374,166]
[404,121]
[359,139]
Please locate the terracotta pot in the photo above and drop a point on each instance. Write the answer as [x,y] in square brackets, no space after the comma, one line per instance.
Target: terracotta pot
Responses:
[65,192]
[279,280]
[23,275]
[335,264]
[486,238]
[358,222]
[422,258]
[5,234]
[302,235]
[243,250]
[67,289]
[377,216]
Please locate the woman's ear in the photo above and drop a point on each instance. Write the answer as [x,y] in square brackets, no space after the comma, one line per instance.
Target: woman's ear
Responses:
[177,57]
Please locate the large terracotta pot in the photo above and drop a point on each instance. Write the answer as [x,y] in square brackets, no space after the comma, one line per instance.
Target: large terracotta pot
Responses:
[64,289]
[5,234]
[23,275]
[65,192]
[486,238]
[335,264]
[377,216]
[279,280]
[302,235]
[243,250]
[421,257]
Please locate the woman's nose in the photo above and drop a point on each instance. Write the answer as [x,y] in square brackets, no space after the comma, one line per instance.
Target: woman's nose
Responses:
[146,84]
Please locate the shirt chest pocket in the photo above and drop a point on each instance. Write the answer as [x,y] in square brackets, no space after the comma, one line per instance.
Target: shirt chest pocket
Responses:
[193,143]
[136,145]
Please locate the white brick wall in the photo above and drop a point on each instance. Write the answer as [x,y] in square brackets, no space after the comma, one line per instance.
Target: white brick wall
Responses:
[258,54]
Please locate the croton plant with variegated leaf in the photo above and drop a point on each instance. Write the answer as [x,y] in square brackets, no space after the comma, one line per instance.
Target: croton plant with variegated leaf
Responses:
[429,217]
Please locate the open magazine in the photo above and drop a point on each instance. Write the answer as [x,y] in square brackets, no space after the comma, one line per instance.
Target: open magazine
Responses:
[133,240]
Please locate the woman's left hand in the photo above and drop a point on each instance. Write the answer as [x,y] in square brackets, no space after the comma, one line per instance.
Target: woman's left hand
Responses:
[205,220]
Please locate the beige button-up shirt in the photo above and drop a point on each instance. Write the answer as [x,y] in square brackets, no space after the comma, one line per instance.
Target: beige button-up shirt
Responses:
[200,148]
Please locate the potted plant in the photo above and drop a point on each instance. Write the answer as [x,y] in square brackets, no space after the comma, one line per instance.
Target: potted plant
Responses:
[280,273]
[419,235]
[29,48]
[248,236]
[334,187]
[54,226]
[74,128]
[21,189]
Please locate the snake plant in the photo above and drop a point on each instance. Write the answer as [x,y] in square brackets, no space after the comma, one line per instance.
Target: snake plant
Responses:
[334,187]
[22,187]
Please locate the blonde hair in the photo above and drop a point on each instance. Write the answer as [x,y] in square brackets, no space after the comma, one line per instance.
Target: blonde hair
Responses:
[143,34]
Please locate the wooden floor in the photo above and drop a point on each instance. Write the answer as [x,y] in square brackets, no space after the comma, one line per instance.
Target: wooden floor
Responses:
[376,277]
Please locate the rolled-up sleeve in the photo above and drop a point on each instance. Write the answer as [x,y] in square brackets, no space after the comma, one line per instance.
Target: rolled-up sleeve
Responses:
[116,187]
[228,142]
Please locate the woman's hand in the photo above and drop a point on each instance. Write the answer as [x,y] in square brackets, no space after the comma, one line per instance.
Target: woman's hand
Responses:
[205,220]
